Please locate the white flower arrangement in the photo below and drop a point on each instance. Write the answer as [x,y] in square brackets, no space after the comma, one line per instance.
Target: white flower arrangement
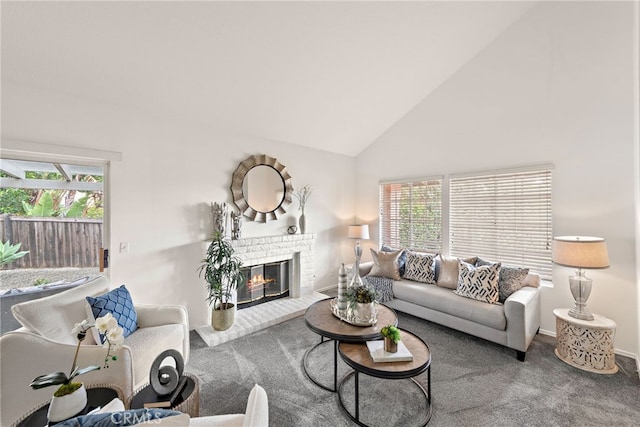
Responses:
[113,338]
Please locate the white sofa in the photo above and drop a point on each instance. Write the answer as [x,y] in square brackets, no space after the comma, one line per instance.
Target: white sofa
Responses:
[45,344]
[513,324]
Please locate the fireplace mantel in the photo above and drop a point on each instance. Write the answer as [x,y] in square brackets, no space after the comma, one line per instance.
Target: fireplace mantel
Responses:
[296,247]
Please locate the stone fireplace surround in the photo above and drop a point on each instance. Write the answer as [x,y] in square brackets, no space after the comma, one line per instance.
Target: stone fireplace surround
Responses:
[262,250]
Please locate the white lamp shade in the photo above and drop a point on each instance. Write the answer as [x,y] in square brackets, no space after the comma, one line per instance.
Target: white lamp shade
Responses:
[580,252]
[359,232]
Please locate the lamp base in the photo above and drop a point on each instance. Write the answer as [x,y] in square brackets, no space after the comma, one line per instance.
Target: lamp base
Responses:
[581,313]
[580,289]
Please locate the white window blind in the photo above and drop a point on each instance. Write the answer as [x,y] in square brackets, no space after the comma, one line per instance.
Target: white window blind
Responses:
[410,215]
[503,217]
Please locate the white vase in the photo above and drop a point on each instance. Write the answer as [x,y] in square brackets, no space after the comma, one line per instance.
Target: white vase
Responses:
[67,406]
[303,223]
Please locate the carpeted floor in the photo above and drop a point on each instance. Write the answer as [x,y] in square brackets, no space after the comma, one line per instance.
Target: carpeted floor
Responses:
[474,383]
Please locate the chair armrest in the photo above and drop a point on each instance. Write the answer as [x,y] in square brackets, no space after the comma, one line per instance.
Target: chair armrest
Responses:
[26,355]
[156,315]
[522,310]
[227,420]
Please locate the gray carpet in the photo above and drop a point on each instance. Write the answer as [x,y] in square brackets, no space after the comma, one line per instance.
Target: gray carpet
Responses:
[474,383]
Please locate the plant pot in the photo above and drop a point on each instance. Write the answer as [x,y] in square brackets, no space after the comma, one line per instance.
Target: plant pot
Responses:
[65,407]
[223,318]
[365,312]
[390,346]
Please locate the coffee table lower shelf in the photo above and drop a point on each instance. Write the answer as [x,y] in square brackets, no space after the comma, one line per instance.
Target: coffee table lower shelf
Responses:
[357,356]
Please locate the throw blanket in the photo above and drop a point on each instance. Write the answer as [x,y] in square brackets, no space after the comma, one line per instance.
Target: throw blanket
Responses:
[118,419]
[382,285]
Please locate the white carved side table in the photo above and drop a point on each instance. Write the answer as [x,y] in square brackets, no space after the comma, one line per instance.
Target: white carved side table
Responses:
[586,344]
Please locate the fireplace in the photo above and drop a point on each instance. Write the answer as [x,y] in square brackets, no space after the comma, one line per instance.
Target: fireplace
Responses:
[263,283]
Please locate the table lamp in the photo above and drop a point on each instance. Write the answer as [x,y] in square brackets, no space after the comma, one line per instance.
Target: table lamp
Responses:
[580,252]
[360,232]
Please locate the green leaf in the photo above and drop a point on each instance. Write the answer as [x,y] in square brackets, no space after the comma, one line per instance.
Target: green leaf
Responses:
[77,208]
[85,370]
[55,378]
[9,252]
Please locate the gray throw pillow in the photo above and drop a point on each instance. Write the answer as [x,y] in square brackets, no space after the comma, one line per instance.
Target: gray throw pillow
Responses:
[386,264]
[511,279]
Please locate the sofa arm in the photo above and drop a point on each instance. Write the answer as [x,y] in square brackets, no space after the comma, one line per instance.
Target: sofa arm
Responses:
[522,310]
[156,315]
[26,355]
[365,268]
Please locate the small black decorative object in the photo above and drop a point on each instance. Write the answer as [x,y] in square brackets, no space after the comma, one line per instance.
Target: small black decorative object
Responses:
[292,229]
[164,380]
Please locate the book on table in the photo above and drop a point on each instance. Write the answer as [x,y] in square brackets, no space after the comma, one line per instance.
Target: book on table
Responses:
[378,354]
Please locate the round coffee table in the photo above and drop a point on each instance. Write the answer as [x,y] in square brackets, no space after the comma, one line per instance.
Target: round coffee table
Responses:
[321,320]
[357,356]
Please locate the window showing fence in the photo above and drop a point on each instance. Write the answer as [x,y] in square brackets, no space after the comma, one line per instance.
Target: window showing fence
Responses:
[411,214]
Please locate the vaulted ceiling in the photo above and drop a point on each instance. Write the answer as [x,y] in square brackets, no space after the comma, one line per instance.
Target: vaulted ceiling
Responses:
[329,75]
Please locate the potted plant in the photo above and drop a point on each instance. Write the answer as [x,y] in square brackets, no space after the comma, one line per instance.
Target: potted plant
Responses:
[71,397]
[391,336]
[222,271]
[362,303]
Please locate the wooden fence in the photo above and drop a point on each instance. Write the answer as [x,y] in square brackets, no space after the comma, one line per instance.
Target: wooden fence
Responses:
[53,242]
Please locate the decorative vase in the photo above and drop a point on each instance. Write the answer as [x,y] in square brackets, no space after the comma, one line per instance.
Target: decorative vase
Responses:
[67,406]
[342,291]
[223,318]
[390,346]
[365,312]
[303,223]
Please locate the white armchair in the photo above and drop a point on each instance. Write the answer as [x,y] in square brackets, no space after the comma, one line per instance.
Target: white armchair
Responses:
[45,344]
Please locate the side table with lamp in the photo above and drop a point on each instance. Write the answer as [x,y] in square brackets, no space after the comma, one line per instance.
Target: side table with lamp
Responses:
[584,340]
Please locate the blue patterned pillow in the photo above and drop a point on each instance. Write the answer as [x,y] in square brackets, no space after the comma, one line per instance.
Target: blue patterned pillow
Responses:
[117,302]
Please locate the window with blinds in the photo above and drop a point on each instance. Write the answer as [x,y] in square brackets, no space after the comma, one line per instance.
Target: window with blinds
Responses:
[410,215]
[503,217]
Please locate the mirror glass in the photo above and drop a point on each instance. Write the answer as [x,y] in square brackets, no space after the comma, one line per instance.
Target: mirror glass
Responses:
[263,188]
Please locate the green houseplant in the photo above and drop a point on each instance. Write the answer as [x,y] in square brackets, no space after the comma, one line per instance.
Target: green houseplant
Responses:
[391,335]
[361,300]
[223,273]
[9,252]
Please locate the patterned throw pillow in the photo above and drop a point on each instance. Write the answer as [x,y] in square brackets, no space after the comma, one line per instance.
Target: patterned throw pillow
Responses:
[385,264]
[511,279]
[479,283]
[420,267]
[401,261]
[118,302]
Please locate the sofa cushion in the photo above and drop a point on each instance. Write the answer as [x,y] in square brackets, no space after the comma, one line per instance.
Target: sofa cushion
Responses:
[55,316]
[386,264]
[118,302]
[479,283]
[447,270]
[401,261]
[446,301]
[421,267]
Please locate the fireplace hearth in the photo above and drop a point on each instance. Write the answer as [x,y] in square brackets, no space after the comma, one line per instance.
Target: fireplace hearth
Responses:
[264,283]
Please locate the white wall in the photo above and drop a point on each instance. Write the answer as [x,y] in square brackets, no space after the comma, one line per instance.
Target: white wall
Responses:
[171,170]
[557,87]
